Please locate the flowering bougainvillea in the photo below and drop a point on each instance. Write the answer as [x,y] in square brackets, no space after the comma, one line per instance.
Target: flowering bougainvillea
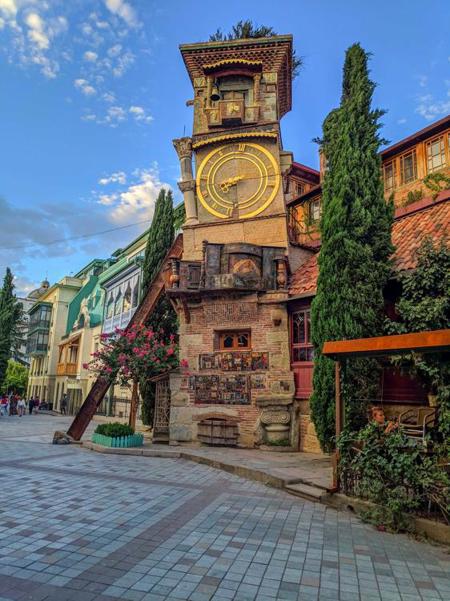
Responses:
[133,354]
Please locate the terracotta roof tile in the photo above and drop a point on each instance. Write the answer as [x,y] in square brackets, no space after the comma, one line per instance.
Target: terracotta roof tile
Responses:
[305,278]
[408,232]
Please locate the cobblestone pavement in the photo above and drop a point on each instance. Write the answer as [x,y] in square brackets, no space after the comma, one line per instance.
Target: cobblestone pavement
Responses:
[81,526]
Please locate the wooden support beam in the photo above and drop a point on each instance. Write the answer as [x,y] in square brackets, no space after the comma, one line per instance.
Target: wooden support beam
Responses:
[430,341]
[339,422]
[101,386]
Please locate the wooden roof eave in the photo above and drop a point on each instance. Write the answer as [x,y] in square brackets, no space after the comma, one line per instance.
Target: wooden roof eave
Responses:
[430,341]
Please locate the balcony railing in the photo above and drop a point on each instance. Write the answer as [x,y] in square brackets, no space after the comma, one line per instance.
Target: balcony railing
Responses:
[66,369]
[118,321]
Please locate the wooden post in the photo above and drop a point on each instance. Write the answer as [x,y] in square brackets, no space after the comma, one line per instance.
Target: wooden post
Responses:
[339,422]
[134,405]
[339,407]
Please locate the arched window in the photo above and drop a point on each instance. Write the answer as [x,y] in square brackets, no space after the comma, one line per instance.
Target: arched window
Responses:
[118,304]
[127,299]
[136,294]
[110,307]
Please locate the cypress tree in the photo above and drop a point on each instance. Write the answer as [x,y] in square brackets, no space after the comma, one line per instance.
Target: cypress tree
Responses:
[11,315]
[163,317]
[354,261]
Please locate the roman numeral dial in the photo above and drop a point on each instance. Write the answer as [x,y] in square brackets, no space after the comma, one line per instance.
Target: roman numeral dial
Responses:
[238,180]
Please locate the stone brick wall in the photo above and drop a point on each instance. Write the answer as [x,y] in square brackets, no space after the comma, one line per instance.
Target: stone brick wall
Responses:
[250,312]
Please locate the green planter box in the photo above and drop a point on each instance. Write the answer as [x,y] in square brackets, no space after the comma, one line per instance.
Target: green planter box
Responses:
[121,442]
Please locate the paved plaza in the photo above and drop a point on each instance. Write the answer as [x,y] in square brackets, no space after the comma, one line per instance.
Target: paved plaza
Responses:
[77,525]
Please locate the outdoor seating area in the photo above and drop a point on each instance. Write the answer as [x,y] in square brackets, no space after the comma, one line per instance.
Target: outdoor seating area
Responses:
[417,423]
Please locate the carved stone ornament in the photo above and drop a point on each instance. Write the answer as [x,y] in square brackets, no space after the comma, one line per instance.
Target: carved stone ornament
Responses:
[183,146]
[275,417]
[186,186]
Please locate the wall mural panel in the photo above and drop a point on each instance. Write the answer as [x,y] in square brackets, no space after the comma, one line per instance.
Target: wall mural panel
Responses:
[234,361]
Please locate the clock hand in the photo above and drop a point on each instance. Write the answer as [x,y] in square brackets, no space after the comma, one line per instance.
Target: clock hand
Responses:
[231,181]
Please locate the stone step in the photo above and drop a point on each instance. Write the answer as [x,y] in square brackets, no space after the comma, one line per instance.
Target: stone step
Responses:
[311,493]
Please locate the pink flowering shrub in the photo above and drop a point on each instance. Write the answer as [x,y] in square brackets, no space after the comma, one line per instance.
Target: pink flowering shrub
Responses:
[133,354]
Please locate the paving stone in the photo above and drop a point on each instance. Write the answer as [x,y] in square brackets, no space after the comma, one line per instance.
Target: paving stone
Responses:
[97,527]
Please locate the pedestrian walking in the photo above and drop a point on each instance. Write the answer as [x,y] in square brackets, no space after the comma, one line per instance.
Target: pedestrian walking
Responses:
[30,405]
[4,406]
[63,404]
[21,406]
[36,405]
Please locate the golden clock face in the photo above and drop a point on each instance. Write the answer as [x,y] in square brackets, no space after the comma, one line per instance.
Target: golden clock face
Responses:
[238,180]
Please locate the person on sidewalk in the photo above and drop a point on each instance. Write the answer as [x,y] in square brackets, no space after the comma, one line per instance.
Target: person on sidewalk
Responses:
[36,405]
[30,405]
[63,404]
[21,406]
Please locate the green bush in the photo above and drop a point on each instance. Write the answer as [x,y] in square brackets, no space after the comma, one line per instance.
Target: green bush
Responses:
[114,430]
[393,472]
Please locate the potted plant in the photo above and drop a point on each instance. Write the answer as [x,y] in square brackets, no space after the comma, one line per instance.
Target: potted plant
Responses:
[117,435]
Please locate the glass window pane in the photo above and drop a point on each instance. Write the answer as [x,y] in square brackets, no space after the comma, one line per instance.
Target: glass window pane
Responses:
[308,326]
[409,167]
[299,327]
[243,340]
[228,341]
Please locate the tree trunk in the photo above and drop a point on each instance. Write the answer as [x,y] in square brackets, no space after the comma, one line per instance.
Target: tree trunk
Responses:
[134,405]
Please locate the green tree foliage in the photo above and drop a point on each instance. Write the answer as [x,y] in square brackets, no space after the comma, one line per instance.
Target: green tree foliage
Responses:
[392,471]
[16,378]
[424,304]
[163,318]
[11,318]
[247,29]
[354,261]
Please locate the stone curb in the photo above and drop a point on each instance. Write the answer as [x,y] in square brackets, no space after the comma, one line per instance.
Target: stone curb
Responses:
[436,531]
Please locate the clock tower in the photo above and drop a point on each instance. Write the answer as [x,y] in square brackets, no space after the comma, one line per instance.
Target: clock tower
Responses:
[242,88]
[230,286]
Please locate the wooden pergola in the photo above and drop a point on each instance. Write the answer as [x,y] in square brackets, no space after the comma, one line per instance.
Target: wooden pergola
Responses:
[431,341]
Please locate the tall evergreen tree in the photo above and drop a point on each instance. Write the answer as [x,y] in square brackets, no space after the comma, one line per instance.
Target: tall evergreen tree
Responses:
[354,261]
[163,317]
[11,315]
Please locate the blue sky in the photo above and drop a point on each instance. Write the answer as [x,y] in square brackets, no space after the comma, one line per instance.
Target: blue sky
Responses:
[94,91]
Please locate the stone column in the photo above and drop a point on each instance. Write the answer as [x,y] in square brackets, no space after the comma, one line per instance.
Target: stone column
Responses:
[183,146]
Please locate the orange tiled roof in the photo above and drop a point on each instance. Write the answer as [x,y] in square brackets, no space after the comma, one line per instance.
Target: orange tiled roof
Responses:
[408,232]
[305,278]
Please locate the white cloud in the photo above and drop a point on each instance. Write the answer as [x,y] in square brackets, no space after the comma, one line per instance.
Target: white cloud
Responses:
[401,121]
[139,114]
[8,7]
[31,34]
[114,115]
[430,109]
[107,199]
[114,50]
[84,86]
[119,177]
[90,56]
[123,10]
[109,97]
[36,32]
[138,201]
[117,114]
[124,61]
